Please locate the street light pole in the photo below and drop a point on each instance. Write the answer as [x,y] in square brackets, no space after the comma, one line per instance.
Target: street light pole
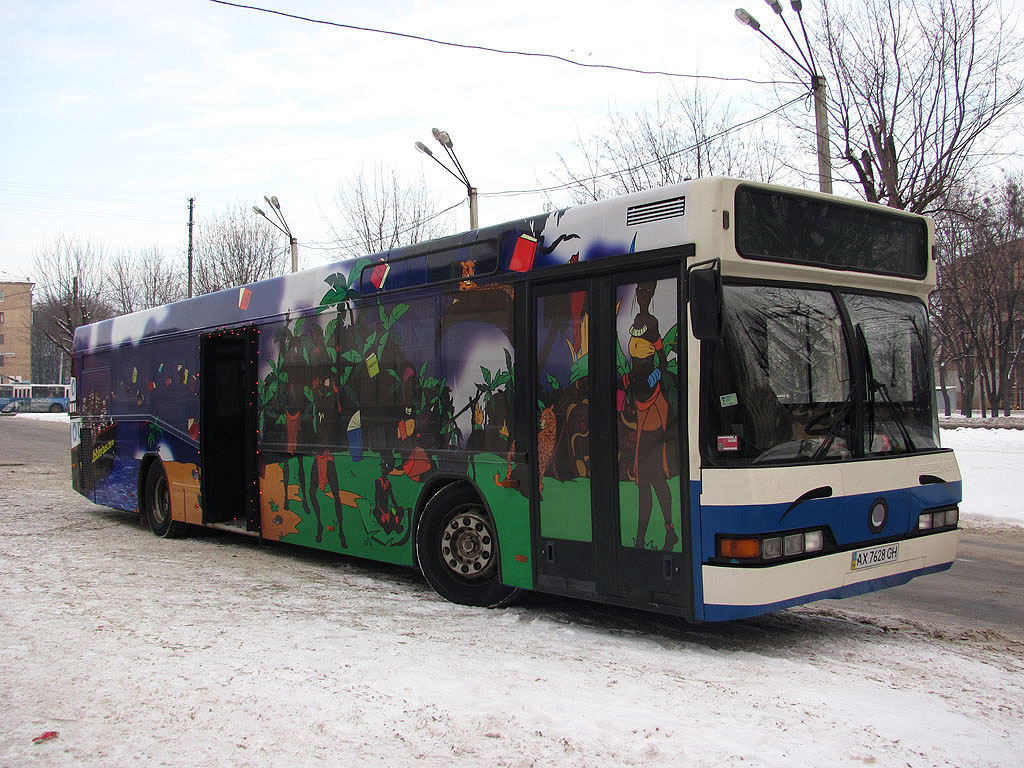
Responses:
[460,175]
[283,227]
[821,125]
[817,82]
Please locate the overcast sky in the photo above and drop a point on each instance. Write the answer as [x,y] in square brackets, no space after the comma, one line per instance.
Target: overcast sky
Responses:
[115,112]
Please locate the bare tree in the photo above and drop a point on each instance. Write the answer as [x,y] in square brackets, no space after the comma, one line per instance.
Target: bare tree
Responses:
[381,211]
[978,305]
[235,248]
[70,292]
[691,135]
[143,279]
[921,93]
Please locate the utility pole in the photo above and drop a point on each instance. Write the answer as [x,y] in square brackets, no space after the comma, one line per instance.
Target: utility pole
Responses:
[191,208]
[821,126]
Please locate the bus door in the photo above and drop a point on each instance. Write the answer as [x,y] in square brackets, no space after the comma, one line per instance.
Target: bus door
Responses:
[227,442]
[611,516]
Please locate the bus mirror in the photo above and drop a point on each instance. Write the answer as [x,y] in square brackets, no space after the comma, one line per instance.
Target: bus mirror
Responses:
[705,296]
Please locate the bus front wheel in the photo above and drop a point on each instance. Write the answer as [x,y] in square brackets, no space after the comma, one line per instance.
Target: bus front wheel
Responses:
[457,549]
[157,504]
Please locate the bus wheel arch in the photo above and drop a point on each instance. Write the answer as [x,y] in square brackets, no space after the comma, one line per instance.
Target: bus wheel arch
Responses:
[457,549]
[155,501]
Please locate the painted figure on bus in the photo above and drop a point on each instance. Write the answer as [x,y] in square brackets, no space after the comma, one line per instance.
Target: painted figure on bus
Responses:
[386,509]
[642,390]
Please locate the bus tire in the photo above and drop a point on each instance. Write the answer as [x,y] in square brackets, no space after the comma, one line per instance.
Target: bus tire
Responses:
[157,504]
[457,549]
[55,408]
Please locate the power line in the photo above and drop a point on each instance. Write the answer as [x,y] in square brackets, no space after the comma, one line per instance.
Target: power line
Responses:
[640,166]
[503,51]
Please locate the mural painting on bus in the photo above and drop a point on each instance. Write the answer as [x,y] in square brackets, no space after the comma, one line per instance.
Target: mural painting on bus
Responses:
[357,410]
[563,422]
[139,384]
[647,365]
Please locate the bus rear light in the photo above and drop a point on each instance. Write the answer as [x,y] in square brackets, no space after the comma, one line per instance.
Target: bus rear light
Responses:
[953,516]
[924,522]
[739,549]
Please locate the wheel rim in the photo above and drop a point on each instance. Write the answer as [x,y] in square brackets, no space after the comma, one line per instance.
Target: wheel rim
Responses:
[467,544]
[161,502]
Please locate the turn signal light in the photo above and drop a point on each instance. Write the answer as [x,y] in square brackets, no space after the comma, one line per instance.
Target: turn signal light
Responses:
[739,548]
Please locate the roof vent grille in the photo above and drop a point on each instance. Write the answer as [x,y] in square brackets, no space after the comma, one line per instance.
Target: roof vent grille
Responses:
[647,213]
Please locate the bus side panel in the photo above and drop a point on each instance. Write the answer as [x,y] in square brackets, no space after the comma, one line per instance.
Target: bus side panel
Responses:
[137,401]
[364,406]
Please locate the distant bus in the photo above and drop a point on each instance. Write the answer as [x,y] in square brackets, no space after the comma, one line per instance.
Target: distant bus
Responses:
[36,398]
[712,400]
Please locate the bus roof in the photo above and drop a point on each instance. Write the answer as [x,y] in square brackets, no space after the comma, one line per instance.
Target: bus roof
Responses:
[656,219]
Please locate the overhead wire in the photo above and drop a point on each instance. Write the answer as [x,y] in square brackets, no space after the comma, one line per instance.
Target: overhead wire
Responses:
[502,51]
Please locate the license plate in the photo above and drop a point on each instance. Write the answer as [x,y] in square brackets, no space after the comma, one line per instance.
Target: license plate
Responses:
[869,558]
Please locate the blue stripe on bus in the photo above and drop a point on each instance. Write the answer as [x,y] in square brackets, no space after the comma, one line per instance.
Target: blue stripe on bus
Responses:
[845,516]
[715,612]
[695,560]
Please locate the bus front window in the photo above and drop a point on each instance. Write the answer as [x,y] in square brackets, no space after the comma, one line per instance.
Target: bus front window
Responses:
[780,387]
[899,416]
[777,385]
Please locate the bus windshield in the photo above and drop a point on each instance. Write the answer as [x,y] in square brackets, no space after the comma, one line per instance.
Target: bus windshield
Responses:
[804,375]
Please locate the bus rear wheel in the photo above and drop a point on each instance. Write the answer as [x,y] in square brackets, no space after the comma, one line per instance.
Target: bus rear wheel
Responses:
[157,504]
[55,408]
[457,549]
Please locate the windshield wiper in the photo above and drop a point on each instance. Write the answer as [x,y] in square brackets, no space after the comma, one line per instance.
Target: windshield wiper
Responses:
[894,409]
[877,386]
[833,429]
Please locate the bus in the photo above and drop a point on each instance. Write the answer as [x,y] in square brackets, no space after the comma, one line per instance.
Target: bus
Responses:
[712,400]
[22,397]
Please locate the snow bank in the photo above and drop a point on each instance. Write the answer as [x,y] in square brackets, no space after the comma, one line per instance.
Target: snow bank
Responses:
[990,462]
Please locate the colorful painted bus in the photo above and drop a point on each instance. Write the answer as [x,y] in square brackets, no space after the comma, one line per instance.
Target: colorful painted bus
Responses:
[22,397]
[711,400]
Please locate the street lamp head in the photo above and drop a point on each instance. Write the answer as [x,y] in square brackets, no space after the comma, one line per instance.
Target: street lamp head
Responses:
[421,147]
[258,212]
[796,5]
[775,5]
[746,19]
[273,202]
[442,138]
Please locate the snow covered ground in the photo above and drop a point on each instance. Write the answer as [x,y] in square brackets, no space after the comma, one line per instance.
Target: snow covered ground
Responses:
[214,651]
[991,461]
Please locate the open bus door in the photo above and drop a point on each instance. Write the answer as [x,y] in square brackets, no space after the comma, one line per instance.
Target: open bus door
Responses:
[227,443]
[610,499]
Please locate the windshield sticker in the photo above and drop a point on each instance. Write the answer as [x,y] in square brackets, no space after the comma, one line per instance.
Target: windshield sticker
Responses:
[727,400]
[728,443]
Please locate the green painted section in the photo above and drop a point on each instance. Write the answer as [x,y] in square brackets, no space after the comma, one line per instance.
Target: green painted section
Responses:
[364,535]
[511,512]
[565,510]
[629,504]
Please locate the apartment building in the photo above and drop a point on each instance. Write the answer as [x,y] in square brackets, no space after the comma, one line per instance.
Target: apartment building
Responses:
[16,331]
